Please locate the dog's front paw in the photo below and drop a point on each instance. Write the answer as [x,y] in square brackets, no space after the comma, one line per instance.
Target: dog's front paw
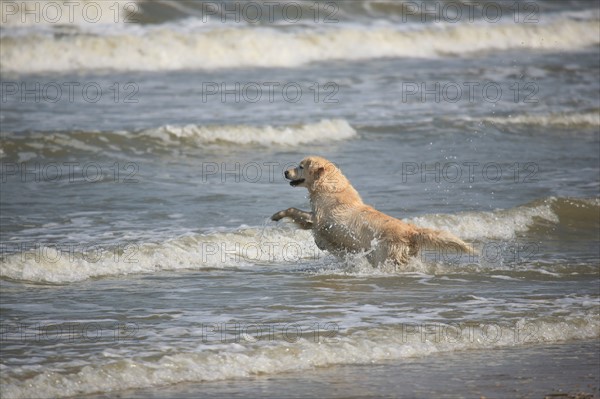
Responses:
[278,216]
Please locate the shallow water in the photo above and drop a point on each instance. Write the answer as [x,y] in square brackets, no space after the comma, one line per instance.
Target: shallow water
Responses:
[569,369]
[136,245]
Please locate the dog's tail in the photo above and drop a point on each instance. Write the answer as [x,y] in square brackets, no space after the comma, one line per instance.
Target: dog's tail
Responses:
[439,239]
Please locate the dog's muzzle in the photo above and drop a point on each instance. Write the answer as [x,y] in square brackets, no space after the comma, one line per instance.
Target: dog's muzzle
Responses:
[293,183]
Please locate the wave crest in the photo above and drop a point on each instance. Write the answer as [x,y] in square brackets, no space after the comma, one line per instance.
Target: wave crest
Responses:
[169,137]
[327,129]
[591,119]
[242,359]
[166,48]
[254,246]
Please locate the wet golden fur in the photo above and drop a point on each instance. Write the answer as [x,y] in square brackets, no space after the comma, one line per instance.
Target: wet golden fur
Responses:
[341,223]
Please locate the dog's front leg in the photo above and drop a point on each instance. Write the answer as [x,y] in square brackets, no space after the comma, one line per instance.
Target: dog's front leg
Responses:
[302,218]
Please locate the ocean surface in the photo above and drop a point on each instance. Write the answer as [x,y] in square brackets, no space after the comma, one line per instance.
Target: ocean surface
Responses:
[143,146]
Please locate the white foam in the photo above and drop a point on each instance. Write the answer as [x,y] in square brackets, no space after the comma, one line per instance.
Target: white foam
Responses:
[221,361]
[244,247]
[166,137]
[325,130]
[503,277]
[499,224]
[252,246]
[171,48]
[560,120]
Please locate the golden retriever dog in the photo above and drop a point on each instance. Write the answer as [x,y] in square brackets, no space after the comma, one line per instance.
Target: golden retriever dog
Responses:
[341,223]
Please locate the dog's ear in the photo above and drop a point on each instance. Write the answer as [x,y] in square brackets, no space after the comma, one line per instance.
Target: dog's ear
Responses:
[329,178]
[319,172]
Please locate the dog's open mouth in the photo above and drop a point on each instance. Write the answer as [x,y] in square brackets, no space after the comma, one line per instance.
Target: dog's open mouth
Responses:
[294,183]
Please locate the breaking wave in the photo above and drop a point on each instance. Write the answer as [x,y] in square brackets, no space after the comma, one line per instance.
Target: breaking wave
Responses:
[169,137]
[255,246]
[585,119]
[168,47]
[287,353]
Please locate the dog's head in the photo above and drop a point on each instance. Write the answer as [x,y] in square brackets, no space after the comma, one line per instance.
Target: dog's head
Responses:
[317,174]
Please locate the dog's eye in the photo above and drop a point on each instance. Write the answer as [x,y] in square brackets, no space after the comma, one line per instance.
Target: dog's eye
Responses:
[300,167]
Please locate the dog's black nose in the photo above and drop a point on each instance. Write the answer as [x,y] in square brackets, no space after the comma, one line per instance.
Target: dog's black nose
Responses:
[286,173]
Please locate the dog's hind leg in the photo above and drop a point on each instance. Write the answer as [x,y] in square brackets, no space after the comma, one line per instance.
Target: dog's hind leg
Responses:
[301,218]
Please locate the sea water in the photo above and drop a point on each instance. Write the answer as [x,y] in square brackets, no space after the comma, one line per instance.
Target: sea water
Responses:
[143,149]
